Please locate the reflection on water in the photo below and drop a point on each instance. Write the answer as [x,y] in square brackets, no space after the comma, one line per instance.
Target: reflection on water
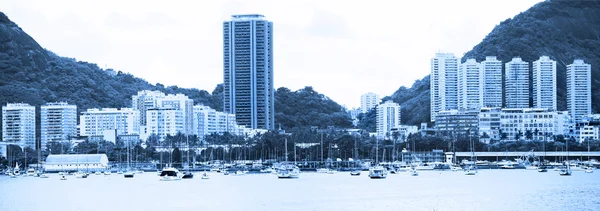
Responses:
[431,190]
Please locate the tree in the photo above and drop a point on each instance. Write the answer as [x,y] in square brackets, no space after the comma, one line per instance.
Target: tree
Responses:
[528,134]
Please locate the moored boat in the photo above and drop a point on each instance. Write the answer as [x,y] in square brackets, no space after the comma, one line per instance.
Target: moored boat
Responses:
[129,174]
[170,174]
[377,172]
[355,172]
[288,171]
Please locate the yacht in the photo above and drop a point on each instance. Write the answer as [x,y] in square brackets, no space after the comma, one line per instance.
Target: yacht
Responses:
[107,173]
[170,174]
[508,166]
[98,173]
[288,172]
[455,168]
[355,172]
[377,172]
[187,175]
[425,166]
[589,170]
[30,172]
[404,167]
[128,174]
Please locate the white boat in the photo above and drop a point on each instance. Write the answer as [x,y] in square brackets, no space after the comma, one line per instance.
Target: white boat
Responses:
[377,172]
[414,172]
[43,175]
[425,166]
[30,172]
[205,175]
[589,170]
[404,167]
[331,171]
[288,171]
[98,173]
[239,173]
[80,175]
[170,174]
[322,170]
[11,175]
[355,172]
[107,173]
[455,168]
[507,166]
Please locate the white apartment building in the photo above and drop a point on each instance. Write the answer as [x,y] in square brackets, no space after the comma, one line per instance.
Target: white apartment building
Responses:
[58,122]
[544,83]
[517,83]
[388,117]
[368,101]
[444,83]
[579,89]
[183,103]
[492,82]
[489,122]
[541,122]
[145,100]
[18,125]
[208,121]
[163,122]
[404,131]
[94,122]
[470,85]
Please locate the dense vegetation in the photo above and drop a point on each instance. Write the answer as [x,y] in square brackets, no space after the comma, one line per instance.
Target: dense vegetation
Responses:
[563,30]
[31,74]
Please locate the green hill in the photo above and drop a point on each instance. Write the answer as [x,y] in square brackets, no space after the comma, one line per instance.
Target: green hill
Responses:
[563,30]
[34,75]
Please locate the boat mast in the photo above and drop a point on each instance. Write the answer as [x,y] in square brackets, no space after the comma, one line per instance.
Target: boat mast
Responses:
[286,152]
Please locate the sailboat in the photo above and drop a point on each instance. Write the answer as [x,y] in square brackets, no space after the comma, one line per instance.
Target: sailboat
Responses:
[377,171]
[543,167]
[567,170]
[129,173]
[355,171]
[471,170]
[287,170]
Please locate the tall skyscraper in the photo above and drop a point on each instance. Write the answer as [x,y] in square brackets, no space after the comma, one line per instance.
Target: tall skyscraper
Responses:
[517,83]
[248,70]
[18,124]
[368,101]
[470,85]
[444,83]
[544,83]
[492,82]
[58,122]
[579,89]
[388,117]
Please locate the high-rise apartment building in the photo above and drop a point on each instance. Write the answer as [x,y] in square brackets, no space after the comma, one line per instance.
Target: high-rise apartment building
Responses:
[18,124]
[388,117]
[185,105]
[94,122]
[248,70]
[58,122]
[145,100]
[579,89]
[517,83]
[208,121]
[492,82]
[368,101]
[544,83]
[165,121]
[444,83]
[470,85]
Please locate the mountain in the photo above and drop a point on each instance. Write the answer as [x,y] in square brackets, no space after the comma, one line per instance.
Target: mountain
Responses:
[34,75]
[562,30]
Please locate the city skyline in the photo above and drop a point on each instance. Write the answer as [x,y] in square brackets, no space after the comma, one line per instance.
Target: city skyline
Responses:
[312,39]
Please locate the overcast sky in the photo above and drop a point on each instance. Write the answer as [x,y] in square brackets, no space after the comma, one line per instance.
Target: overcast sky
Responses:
[342,48]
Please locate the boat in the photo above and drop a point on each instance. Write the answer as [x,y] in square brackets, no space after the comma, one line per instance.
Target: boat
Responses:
[80,175]
[455,168]
[106,173]
[542,169]
[187,175]
[30,172]
[377,172]
[11,175]
[322,170]
[205,175]
[44,175]
[98,173]
[170,174]
[355,172]
[63,177]
[17,170]
[414,172]
[287,170]
[128,174]
[589,170]
[331,171]
[567,170]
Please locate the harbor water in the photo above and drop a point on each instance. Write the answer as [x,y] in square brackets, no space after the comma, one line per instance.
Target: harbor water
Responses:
[516,189]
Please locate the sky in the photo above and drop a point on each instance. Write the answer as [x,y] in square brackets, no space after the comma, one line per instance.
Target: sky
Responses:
[341,48]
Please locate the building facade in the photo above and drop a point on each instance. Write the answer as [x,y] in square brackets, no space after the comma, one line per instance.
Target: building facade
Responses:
[537,123]
[94,122]
[457,122]
[579,89]
[492,82]
[388,117]
[368,101]
[185,105]
[164,122]
[544,83]
[444,83]
[470,85]
[248,70]
[517,84]
[18,125]
[58,122]
[145,100]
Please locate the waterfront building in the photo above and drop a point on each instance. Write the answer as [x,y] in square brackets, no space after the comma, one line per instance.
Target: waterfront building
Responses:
[450,122]
[182,103]
[164,122]
[539,123]
[443,83]
[368,101]
[470,85]
[248,70]
[489,123]
[579,89]
[388,117]
[492,82]
[58,122]
[587,128]
[94,122]
[208,121]
[544,83]
[76,162]
[517,84]
[145,100]
[403,131]
[18,125]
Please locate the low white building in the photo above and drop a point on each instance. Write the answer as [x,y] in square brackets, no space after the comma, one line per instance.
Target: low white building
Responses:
[542,123]
[76,162]
[94,122]
[404,131]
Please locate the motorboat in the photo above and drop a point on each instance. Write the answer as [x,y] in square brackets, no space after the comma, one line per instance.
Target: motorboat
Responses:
[11,175]
[288,172]
[425,166]
[17,170]
[470,172]
[322,170]
[98,173]
[81,175]
[170,174]
[30,172]
[239,172]
[205,175]
[355,172]
[128,174]
[542,169]
[507,166]
[404,167]
[414,172]
[187,175]
[377,172]
[589,170]
[331,171]
[106,173]
[565,171]
[63,177]
[455,168]
[44,175]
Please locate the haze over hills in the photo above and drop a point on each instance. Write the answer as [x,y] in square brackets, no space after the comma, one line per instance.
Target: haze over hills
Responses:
[34,75]
[563,30]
